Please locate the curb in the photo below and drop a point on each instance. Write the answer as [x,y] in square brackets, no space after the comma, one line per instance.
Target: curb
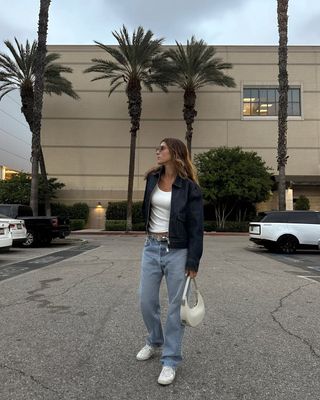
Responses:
[140,233]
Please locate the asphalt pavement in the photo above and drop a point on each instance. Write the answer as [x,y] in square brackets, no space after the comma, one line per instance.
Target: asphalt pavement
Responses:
[70,329]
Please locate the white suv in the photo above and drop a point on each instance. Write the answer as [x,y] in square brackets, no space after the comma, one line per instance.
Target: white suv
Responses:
[286,231]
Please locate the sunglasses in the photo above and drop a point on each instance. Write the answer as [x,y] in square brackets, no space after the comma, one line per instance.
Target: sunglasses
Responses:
[160,148]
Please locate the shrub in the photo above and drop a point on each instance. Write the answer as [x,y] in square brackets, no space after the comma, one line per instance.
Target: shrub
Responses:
[77,224]
[302,203]
[76,211]
[61,210]
[139,226]
[79,211]
[117,210]
[120,225]
[230,226]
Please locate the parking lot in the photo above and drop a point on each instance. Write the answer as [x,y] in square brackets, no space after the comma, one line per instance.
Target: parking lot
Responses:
[307,260]
[71,328]
[19,260]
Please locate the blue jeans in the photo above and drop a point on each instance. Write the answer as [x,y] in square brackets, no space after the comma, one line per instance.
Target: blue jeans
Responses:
[159,261]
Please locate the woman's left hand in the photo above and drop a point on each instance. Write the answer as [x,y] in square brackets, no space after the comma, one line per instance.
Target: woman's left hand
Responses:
[191,273]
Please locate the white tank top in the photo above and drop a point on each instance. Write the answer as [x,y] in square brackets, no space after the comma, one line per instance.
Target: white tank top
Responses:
[160,211]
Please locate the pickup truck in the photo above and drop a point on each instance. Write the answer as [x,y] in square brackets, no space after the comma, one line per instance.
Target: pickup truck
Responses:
[40,230]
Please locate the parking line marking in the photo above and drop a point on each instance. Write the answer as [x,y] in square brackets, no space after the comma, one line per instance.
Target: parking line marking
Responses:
[21,267]
[312,278]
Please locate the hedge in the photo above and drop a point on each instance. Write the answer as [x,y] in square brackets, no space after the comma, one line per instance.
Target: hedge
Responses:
[120,225]
[79,211]
[117,210]
[230,226]
[76,211]
[61,210]
[209,226]
[77,224]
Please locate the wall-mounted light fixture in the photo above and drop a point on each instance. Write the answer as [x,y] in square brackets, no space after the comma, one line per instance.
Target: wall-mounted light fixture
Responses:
[99,205]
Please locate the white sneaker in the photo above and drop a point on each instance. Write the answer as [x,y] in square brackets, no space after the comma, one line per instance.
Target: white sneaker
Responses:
[166,376]
[145,353]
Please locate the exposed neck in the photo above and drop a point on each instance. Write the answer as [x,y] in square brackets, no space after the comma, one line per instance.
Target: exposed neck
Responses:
[170,171]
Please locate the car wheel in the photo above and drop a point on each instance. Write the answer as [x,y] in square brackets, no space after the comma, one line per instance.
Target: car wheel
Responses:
[30,241]
[287,244]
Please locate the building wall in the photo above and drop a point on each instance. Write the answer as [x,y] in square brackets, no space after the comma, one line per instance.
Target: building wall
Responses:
[86,142]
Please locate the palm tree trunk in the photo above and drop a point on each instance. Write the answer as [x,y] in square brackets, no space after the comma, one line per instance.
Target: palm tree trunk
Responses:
[46,183]
[283,100]
[134,107]
[27,100]
[38,100]
[189,114]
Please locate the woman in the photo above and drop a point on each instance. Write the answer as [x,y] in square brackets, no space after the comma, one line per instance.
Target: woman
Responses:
[173,213]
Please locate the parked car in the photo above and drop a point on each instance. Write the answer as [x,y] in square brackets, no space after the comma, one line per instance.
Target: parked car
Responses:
[287,231]
[17,229]
[5,236]
[40,230]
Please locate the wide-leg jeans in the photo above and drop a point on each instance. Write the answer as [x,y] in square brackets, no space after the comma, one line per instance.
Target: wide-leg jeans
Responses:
[158,261]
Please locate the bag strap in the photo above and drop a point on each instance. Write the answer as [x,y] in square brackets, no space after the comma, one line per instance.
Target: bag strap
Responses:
[184,295]
[184,299]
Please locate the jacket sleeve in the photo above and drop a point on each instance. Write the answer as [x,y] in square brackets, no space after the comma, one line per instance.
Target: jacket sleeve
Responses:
[194,228]
[144,205]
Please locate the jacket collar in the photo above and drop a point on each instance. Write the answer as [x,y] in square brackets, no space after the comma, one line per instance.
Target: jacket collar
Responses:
[178,181]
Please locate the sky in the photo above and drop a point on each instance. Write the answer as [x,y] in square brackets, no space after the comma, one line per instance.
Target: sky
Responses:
[227,22]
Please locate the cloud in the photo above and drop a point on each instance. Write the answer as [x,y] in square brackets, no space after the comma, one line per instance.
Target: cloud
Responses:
[306,31]
[19,20]
[173,20]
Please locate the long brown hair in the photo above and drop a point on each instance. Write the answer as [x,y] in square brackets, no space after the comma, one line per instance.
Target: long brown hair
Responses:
[181,159]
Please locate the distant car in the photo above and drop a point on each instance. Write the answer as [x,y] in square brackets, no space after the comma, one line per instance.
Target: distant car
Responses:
[41,230]
[17,229]
[287,231]
[5,236]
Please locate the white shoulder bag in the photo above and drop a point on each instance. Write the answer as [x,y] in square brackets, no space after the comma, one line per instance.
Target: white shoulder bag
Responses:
[191,316]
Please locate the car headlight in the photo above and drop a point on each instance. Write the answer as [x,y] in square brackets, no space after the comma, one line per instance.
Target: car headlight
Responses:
[255,229]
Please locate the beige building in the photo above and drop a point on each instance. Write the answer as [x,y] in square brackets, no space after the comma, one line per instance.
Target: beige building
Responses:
[86,142]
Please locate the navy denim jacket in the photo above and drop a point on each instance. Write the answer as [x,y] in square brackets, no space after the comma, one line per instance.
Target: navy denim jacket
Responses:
[186,216]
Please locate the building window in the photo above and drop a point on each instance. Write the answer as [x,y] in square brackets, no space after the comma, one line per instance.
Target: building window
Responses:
[264,102]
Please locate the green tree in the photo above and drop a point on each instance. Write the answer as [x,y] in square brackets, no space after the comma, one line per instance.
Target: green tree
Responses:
[17,72]
[282,12]
[136,61]
[229,176]
[17,189]
[191,67]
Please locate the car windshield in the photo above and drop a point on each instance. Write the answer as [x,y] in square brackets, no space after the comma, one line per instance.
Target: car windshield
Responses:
[3,216]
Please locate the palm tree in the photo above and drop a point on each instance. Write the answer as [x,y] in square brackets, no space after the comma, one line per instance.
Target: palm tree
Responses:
[282,157]
[138,61]
[192,67]
[17,72]
[38,100]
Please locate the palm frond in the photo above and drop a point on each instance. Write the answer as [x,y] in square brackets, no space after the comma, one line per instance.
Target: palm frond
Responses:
[195,65]
[18,56]
[59,85]
[114,87]
[136,59]
[18,69]
[114,52]
[3,93]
